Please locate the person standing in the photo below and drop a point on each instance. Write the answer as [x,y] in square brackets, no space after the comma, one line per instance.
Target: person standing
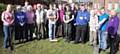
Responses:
[20,24]
[102,33]
[51,15]
[40,20]
[8,20]
[68,17]
[60,20]
[112,29]
[30,15]
[26,4]
[93,28]
[81,21]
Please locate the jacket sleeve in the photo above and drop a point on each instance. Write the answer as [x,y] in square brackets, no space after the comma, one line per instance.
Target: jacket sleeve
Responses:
[116,24]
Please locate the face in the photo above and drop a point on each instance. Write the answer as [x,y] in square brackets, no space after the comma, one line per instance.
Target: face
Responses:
[26,3]
[102,11]
[112,13]
[38,6]
[60,6]
[50,6]
[9,7]
[18,8]
[54,6]
[67,8]
[82,8]
[42,6]
[72,5]
[29,8]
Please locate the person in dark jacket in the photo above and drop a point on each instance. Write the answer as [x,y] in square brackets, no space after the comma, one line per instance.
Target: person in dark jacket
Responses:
[112,31]
[20,24]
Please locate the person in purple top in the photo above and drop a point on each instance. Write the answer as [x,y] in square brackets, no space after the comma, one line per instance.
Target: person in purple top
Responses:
[112,30]
[60,20]
[30,15]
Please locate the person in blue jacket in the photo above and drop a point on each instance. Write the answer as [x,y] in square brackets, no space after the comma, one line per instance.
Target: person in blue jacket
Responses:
[20,22]
[81,22]
[102,33]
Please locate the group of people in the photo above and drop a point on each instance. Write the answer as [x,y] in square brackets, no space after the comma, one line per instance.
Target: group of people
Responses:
[72,21]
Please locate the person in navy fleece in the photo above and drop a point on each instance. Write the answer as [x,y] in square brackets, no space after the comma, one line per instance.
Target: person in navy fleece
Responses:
[81,21]
[112,31]
[20,21]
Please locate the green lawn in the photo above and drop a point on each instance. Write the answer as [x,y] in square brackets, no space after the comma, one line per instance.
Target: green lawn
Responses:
[46,47]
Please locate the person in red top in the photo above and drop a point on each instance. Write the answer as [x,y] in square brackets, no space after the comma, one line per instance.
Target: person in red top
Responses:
[8,20]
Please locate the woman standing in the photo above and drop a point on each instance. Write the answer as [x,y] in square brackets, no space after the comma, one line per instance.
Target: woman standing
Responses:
[51,15]
[40,21]
[8,20]
[30,22]
[68,17]
[112,31]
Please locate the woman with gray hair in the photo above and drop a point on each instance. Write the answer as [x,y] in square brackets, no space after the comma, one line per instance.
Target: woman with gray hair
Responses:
[30,15]
[112,31]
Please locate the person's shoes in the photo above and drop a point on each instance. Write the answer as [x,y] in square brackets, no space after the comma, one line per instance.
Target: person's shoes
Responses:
[67,41]
[90,44]
[75,42]
[99,50]
[54,40]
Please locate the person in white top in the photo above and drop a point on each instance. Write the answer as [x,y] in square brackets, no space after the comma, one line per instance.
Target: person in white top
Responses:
[93,28]
[51,15]
[40,21]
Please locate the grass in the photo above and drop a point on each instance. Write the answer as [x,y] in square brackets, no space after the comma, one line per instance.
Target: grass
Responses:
[46,47]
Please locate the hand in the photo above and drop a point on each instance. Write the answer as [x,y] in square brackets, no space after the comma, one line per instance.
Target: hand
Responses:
[97,26]
[67,21]
[75,24]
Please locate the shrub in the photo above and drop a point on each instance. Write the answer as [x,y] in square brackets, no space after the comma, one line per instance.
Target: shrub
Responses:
[2,8]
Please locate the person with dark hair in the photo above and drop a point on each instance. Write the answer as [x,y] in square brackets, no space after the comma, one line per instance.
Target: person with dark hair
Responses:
[68,17]
[60,20]
[51,15]
[20,24]
[81,21]
[102,33]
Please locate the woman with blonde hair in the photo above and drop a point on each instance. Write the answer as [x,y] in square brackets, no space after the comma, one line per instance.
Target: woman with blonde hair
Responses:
[8,20]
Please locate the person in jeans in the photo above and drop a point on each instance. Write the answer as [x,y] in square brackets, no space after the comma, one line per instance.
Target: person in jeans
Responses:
[112,28]
[60,20]
[8,20]
[102,33]
[20,24]
[51,15]
[81,21]
[40,20]
[30,15]
[68,17]
[93,28]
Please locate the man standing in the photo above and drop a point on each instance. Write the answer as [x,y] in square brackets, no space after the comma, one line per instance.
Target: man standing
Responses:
[82,19]
[102,33]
